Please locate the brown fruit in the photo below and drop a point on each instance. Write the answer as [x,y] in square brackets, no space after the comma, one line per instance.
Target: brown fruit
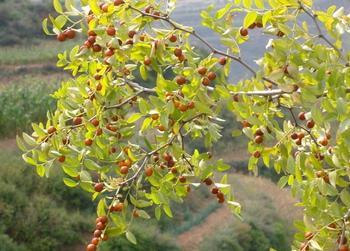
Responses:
[174,170]
[344,248]
[104,7]
[131,34]
[182,179]
[171,163]
[95,241]
[222,60]
[98,187]
[252,26]
[308,235]
[245,124]
[51,130]
[182,58]
[99,131]
[190,105]
[236,98]
[62,158]
[147,61]
[177,52]
[88,142]
[215,190]
[298,142]
[97,233]
[135,214]
[259,25]
[183,107]
[167,157]
[111,31]
[119,207]
[301,116]
[88,44]
[156,14]
[61,37]
[326,178]
[99,87]
[244,32]
[91,33]
[205,81]
[324,141]
[91,247]
[149,171]
[109,52]
[320,174]
[294,136]
[211,76]
[202,70]
[310,124]
[95,122]
[259,132]
[103,219]
[100,226]
[155,116]
[70,34]
[221,200]
[96,48]
[118,2]
[181,80]
[124,170]
[304,247]
[257,154]
[148,9]
[208,181]
[301,135]
[345,240]
[220,195]
[280,34]
[161,128]
[77,120]
[173,38]
[259,139]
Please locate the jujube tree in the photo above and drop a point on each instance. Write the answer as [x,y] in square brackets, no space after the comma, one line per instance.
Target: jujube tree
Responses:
[124,140]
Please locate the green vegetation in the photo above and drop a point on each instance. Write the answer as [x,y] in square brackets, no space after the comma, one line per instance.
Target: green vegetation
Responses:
[20,21]
[40,53]
[31,218]
[25,101]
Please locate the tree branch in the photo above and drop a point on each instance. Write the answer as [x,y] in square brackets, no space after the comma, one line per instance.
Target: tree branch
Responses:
[205,42]
[313,16]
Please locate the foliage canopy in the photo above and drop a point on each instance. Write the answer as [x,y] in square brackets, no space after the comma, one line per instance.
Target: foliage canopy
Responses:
[125,143]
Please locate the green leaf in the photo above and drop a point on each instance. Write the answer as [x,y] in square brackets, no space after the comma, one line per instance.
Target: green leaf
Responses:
[40,169]
[250,19]
[70,183]
[131,237]
[29,140]
[143,72]
[133,118]
[158,213]
[20,144]
[115,231]
[345,197]
[58,7]
[167,210]
[101,207]
[91,165]
[44,26]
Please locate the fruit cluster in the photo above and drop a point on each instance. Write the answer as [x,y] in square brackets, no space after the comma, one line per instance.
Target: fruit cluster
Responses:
[99,233]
